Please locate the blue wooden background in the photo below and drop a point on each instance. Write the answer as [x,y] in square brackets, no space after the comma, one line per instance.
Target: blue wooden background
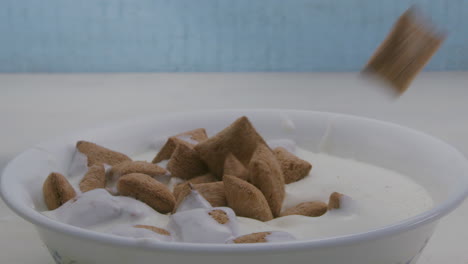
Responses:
[212,35]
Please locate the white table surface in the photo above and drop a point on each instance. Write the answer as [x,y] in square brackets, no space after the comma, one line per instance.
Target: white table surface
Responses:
[38,107]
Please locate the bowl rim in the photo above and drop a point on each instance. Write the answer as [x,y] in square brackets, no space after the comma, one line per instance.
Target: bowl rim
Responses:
[431,215]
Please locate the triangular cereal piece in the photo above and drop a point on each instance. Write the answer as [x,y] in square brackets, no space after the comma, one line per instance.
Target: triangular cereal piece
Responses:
[265,173]
[148,190]
[294,168]
[190,138]
[213,192]
[94,178]
[245,199]
[313,209]
[185,163]
[57,190]
[144,167]
[240,138]
[100,155]
[335,201]
[207,178]
[232,166]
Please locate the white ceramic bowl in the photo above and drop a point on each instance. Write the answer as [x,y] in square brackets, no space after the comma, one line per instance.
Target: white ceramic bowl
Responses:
[441,169]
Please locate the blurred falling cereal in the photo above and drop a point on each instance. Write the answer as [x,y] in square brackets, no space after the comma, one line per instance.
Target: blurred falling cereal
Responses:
[405,51]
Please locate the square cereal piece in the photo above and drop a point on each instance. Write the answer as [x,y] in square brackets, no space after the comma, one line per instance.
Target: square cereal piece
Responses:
[405,51]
